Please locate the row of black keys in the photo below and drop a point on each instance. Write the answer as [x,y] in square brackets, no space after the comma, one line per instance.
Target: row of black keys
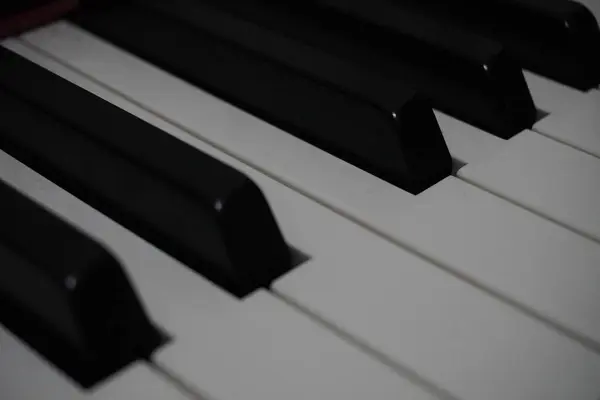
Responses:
[358,78]
[64,294]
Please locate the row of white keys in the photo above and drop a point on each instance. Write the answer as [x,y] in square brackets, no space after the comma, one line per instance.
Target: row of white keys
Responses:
[368,288]
[553,180]
[24,375]
[501,247]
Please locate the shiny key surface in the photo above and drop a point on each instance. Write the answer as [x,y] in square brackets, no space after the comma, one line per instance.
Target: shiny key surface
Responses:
[382,126]
[465,76]
[66,295]
[223,347]
[556,38]
[204,213]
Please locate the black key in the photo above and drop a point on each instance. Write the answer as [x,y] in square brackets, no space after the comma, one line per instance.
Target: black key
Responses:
[17,16]
[66,296]
[464,75]
[556,38]
[202,212]
[377,124]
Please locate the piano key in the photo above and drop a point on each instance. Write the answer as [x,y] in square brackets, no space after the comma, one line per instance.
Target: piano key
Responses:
[490,89]
[523,242]
[206,214]
[218,123]
[271,350]
[25,375]
[466,143]
[555,181]
[67,296]
[379,125]
[578,125]
[17,16]
[550,96]
[457,338]
[339,244]
[555,38]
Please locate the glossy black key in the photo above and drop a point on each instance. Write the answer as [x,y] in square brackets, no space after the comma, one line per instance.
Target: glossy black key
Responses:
[464,75]
[556,38]
[17,16]
[377,124]
[202,212]
[67,296]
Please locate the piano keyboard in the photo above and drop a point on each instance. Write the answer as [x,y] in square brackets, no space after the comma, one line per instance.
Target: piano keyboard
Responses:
[480,284]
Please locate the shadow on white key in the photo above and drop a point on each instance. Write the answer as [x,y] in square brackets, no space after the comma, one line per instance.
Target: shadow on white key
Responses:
[577,126]
[498,242]
[24,375]
[268,351]
[547,177]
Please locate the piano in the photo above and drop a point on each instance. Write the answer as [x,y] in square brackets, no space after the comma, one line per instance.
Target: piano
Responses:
[392,199]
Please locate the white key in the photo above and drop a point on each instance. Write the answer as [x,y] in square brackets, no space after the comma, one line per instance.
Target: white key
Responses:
[551,96]
[467,143]
[469,344]
[577,126]
[553,180]
[259,348]
[493,232]
[26,375]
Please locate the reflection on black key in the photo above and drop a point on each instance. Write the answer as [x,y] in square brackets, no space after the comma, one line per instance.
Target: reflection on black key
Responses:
[464,75]
[377,124]
[556,38]
[66,296]
[204,213]
[18,15]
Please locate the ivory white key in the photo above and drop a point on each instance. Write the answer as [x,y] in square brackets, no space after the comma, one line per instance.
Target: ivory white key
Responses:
[493,249]
[577,126]
[467,143]
[551,96]
[25,375]
[472,345]
[259,346]
[553,180]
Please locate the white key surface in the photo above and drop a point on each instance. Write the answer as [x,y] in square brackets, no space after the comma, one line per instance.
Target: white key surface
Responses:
[25,375]
[556,181]
[497,243]
[465,142]
[551,96]
[285,349]
[577,126]
[444,330]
